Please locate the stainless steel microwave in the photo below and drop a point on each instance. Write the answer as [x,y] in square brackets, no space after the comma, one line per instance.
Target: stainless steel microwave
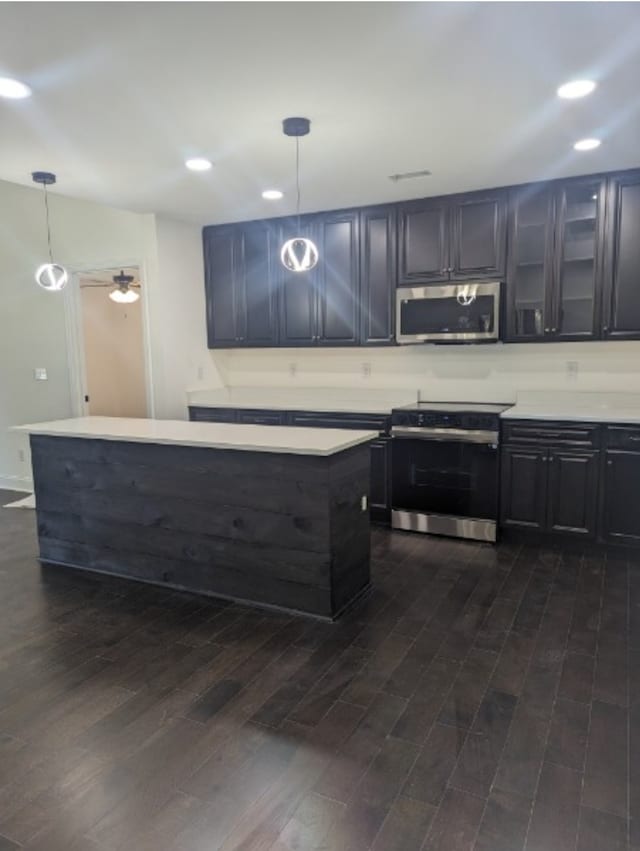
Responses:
[452,313]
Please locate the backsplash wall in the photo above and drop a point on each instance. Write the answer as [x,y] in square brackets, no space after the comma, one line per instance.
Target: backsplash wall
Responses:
[471,373]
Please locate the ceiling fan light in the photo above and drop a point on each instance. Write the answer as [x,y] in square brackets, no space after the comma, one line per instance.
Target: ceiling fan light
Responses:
[124,296]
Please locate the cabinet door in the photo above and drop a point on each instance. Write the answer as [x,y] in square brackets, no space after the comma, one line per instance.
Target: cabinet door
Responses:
[380,488]
[423,242]
[478,237]
[338,279]
[257,319]
[524,486]
[572,492]
[622,290]
[530,262]
[578,262]
[212,415]
[298,292]
[621,498]
[221,260]
[377,275]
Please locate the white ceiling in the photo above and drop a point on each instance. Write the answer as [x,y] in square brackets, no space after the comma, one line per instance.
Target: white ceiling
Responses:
[124,92]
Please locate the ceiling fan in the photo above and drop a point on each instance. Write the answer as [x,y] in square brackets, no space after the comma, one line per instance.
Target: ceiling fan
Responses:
[123,287]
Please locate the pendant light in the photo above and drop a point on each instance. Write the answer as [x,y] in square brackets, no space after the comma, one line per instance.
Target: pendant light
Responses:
[123,294]
[298,254]
[50,276]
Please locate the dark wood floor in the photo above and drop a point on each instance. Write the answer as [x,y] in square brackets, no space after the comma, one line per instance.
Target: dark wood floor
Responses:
[481,698]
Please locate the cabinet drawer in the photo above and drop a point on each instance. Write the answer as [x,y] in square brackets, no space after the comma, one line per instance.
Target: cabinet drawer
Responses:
[623,437]
[262,417]
[212,415]
[317,419]
[529,432]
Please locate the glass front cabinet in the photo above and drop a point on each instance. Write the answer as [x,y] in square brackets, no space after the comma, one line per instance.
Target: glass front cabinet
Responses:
[555,264]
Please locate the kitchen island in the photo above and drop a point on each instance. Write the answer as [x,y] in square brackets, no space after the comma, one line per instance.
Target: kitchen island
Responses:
[273,516]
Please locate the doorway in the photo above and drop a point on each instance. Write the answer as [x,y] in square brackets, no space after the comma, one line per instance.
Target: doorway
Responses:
[113,343]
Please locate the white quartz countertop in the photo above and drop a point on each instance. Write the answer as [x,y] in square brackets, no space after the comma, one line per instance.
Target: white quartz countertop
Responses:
[326,400]
[577,407]
[251,438]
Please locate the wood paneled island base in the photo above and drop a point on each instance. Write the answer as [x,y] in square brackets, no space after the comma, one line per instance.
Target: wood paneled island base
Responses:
[281,530]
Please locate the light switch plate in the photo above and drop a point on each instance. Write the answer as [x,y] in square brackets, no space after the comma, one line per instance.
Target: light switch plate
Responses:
[40,373]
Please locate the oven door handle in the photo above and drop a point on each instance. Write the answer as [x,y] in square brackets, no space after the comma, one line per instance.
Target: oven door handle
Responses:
[459,435]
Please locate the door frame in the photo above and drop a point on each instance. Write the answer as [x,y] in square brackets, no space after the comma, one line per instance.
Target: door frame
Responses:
[76,357]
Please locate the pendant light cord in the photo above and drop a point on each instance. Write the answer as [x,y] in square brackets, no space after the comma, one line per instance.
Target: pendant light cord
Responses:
[298,180]
[46,207]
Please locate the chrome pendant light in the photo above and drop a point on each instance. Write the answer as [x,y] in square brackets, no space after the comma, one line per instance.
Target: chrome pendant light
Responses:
[122,293]
[298,254]
[50,276]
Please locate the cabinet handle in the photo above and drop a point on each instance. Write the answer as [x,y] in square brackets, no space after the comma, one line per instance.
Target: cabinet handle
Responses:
[609,463]
[547,330]
[553,330]
[605,328]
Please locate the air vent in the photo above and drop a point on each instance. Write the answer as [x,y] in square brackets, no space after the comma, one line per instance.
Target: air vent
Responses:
[410,175]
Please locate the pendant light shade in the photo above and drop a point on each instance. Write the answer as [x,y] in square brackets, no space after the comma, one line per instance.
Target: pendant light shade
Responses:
[298,254]
[122,293]
[50,276]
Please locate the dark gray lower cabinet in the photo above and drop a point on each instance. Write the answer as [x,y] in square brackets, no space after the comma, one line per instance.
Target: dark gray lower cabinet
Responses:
[572,492]
[524,485]
[550,477]
[621,497]
[380,490]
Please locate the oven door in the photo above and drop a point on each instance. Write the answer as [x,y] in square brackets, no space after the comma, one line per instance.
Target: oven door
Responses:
[450,479]
[464,313]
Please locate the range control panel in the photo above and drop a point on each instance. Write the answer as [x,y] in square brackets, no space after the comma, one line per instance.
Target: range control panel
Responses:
[469,421]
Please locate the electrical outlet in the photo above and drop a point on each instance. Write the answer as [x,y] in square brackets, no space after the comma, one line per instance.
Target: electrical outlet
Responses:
[572,370]
[40,373]
[21,455]
[366,370]
[200,373]
[293,369]
[364,503]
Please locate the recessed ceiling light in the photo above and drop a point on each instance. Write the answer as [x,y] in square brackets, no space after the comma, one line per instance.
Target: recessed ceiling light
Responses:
[13,89]
[272,194]
[587,144]
[198,164]
[576,89]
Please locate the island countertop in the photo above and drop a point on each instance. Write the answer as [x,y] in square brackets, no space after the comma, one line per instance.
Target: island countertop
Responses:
[251,438]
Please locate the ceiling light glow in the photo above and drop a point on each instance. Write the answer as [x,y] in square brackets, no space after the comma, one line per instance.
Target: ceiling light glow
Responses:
[198,164]
[13,89]
[124,296]
[587,144]
[272,194]
[576,89]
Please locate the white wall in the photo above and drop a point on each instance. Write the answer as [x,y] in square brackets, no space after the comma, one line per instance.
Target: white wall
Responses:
[177,318]
[469,373]
[33,331]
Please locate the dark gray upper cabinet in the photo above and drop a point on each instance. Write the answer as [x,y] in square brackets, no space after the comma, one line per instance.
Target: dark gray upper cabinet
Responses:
[377,275]
[241,296]
[423,237]
[478,235]
[457,237]
[621,313]
[259,319]
[555,262]
[221,282]
[338,287]
[530,262]
[321,307]
[298,291]
[567,250]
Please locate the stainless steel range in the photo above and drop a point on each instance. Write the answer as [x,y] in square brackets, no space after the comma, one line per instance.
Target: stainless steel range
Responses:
[445,469]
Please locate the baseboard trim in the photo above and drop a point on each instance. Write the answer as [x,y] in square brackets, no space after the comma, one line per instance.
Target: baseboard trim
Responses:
[16,483]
